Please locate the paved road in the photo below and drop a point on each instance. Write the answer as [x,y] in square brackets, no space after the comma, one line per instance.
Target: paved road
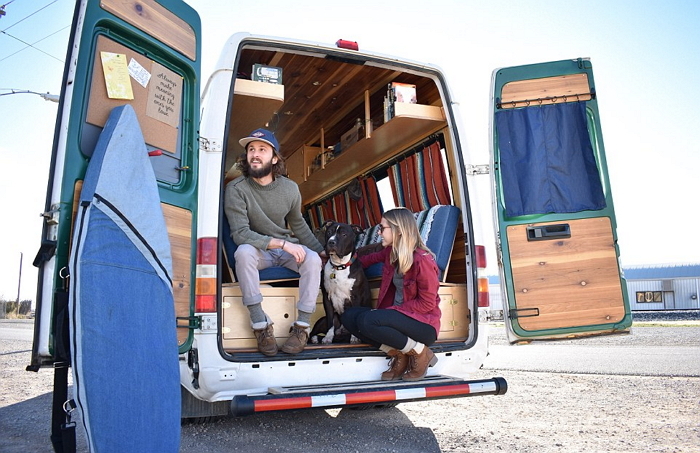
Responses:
[16,329]
[647,351]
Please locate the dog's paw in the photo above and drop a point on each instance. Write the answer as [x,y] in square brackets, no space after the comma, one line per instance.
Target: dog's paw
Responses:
[314,339]
[354,339]
[328,339]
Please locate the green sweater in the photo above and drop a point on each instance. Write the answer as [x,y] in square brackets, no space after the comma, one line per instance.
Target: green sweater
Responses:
[258,213]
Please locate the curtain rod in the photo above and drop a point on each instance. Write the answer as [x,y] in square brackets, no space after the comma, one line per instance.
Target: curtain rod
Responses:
[549,99]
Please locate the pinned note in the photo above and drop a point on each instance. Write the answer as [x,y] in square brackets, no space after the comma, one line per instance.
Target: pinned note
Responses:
[116,75]
[164,95]
[139,73]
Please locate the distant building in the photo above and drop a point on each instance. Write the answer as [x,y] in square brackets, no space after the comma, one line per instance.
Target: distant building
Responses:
[651,287]
[663,287]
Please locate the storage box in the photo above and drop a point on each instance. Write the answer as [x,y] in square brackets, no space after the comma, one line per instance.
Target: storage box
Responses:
[267,74]
[404,92]
[349,138]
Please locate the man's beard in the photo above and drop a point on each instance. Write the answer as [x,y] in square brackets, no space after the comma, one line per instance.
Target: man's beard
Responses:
[261,172]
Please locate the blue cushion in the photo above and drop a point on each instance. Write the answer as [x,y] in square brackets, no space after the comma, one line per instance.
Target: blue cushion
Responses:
[438,231]
[271,273]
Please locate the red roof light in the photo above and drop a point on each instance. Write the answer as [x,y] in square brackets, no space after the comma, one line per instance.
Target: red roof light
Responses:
[344,44]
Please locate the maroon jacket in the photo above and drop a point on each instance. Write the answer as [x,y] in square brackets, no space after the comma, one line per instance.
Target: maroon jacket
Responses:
[420,286]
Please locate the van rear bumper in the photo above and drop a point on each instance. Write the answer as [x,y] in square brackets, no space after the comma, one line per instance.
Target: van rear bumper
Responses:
[364,393]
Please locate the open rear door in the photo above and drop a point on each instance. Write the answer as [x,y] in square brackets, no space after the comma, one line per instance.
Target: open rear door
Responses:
[560,270]
[146,55]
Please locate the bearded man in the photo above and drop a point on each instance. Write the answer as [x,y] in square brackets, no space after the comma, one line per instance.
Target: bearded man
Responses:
[264,210]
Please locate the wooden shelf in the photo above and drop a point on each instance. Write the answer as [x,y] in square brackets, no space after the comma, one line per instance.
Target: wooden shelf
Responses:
[411,123]
[298,163]
[260,101]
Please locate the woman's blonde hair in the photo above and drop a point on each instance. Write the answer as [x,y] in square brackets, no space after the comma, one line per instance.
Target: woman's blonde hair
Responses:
[406,237]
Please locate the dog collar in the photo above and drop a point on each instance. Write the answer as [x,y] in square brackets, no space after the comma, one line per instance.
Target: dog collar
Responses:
[346,265]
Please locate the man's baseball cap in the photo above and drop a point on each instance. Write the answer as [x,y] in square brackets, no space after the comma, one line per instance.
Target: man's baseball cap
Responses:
[262,135]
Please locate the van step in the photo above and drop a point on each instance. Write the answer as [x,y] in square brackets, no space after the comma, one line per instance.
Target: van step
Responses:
[363,385]
[364,393]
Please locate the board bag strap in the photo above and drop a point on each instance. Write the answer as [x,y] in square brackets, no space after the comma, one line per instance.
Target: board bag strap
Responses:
[62,428]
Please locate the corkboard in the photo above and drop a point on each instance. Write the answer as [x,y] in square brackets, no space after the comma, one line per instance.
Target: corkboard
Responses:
[156,131]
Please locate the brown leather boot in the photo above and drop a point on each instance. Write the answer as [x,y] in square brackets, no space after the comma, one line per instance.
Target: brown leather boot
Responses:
[266,340]
[397,365]
[298,337]
[418,364]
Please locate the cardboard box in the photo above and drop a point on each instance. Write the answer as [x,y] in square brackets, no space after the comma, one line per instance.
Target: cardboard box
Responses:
[349,138]
[404,92]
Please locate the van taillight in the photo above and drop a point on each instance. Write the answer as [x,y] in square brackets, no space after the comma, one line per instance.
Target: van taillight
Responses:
[483,292]
[205,283]
[206,251]
[482,282]
[480,256]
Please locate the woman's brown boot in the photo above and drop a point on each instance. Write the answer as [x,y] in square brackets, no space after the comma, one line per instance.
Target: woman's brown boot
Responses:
[418,364]
[397,365]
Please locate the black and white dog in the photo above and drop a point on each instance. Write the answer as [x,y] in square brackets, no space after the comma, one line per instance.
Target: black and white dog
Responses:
[344,283]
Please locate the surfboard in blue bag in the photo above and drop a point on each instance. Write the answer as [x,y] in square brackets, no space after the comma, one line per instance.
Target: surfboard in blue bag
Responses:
[123,339]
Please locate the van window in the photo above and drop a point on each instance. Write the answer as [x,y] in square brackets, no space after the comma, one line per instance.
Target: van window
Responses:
[385,195]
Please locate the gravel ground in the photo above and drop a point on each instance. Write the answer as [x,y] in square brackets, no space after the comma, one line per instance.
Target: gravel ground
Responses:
[541,412]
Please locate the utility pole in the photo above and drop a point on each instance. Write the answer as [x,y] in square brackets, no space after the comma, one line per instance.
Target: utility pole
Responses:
[19,283]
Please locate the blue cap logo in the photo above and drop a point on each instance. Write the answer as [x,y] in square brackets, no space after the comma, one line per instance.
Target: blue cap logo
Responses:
[262,135]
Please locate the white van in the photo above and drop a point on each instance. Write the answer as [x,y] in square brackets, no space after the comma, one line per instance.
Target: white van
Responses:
[360,132]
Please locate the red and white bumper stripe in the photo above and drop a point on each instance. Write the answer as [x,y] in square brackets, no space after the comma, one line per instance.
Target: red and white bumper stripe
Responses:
[246,405]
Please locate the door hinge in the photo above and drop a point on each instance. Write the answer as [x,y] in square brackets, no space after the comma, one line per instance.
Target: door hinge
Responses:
[208,145]
[482,169]
[193,322]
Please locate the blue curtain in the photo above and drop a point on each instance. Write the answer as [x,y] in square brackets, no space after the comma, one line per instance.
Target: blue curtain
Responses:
[546,160]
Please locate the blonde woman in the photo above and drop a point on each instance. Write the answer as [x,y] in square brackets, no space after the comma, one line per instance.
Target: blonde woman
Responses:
[407,319]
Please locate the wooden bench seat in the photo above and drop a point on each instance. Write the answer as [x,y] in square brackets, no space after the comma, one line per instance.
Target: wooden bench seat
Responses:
[280,304]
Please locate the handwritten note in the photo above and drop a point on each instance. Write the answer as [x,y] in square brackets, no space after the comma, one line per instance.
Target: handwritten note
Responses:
[139,73]
[116,75]
[164,95]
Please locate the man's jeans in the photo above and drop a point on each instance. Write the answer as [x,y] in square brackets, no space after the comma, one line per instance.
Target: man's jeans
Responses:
[249,260]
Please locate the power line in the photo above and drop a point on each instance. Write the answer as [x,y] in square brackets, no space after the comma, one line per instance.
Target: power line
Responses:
[32,45]
[4,32]
[26,17]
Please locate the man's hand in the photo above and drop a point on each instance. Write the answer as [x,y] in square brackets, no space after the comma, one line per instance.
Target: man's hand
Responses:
[296,250]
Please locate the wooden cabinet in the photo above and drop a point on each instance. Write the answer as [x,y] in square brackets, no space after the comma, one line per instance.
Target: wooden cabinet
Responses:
[300,163]
[280,304]
[454,324]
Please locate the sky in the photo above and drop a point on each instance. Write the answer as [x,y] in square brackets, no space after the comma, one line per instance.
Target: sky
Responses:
[644,55]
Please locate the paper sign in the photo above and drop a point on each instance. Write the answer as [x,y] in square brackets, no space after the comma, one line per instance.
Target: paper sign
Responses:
[139,73]
[164,95]
[116,75]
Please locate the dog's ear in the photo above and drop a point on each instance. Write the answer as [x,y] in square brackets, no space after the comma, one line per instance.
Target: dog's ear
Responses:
[328,223]
[357,229]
